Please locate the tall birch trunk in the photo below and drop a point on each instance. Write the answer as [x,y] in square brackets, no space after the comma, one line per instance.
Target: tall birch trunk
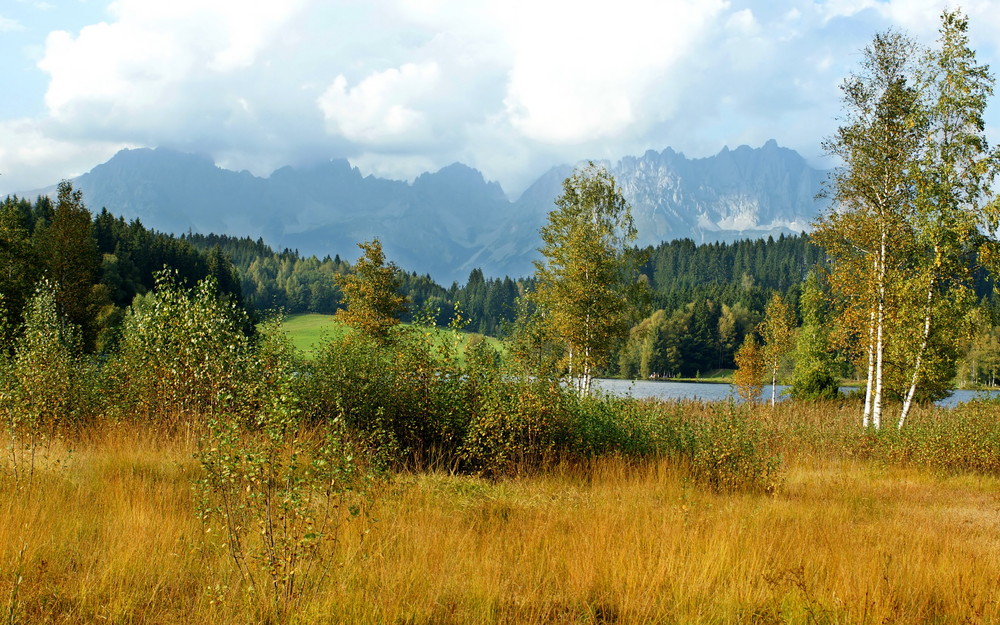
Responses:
[879,356]
[774,383]
[879,337]
[870,379]
[928,316]
[569,367]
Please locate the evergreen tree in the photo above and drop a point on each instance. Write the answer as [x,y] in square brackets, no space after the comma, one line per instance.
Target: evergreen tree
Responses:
[68,251]
[18,260]
[814,374]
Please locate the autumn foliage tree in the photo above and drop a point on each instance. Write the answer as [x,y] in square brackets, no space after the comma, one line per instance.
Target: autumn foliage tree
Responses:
[751,367]
[955,212]
[777,330]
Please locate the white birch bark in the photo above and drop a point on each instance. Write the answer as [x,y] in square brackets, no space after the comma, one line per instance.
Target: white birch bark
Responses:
[908,402]
[879,337]
[870,379]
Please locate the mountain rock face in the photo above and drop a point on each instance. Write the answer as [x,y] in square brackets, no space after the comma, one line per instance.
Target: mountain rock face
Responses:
[741,193]
[449,222]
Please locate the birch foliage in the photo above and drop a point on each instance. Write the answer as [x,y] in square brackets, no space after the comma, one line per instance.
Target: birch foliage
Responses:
[913,211]
[866,235]
[777,330]
[954,208]
[587,275]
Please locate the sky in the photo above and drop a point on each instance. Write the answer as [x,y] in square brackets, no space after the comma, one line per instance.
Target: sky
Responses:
[399,87]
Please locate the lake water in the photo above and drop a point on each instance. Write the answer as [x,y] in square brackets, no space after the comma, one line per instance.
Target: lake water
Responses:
[708,391]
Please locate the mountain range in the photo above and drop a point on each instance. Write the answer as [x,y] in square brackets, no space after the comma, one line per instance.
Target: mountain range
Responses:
[451,221]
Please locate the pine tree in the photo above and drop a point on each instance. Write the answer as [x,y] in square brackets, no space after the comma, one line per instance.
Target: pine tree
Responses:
[18,261]
[68,251]
[813,376]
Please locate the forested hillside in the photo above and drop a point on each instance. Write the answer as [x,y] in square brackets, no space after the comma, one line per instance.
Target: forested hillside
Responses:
[703,299]
[714,293]
[289,281]
[99,264]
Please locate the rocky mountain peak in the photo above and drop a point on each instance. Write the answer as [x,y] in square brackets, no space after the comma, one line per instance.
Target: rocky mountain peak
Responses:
[451,221]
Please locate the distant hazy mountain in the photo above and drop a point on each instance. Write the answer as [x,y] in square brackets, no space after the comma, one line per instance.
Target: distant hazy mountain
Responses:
[451,221]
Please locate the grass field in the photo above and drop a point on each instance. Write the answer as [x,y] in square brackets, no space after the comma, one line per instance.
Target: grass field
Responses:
[107,534]
[310,331]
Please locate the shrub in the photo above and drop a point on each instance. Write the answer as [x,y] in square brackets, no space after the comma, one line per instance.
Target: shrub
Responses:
[47,387]
[181,353]
[965,438]
[726,449]
[815,385]
[277,487]
[516,423]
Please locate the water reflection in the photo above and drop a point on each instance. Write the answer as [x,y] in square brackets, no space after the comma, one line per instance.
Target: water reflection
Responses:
[707,391]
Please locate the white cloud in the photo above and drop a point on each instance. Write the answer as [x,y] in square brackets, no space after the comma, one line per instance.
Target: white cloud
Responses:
[386,108]
[400,86]
[582,75]
[743,22]
[844,8]
[30,158]
[153,57]
[8,25]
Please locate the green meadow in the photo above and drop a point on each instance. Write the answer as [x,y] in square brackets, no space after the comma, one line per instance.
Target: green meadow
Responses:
[309,332]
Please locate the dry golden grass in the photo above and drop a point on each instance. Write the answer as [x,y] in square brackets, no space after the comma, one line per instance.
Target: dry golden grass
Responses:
[107,534]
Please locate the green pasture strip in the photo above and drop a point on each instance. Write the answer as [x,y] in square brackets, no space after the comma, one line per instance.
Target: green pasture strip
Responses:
[310,331]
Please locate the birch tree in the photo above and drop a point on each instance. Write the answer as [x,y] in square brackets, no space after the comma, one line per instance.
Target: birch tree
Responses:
[777,330]
[751,367]
[914,211]
[587,276]
[954,207]
[371,294]
[866,233]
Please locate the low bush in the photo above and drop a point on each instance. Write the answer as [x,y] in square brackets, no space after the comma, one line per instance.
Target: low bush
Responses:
[47,388]
[724,446]
[278,487]
[182,355]
[732,451]
[962,439]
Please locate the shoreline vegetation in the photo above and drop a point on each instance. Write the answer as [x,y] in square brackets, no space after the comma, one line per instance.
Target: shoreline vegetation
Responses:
[308,331]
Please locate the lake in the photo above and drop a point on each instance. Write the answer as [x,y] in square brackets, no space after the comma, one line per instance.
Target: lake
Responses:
[708,391]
